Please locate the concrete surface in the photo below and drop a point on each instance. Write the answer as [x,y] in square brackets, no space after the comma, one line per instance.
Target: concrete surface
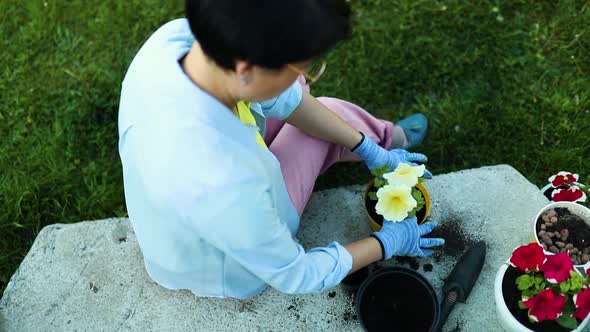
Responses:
[90,276]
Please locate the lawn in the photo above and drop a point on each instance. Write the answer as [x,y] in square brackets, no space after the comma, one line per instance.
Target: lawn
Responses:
[501,81]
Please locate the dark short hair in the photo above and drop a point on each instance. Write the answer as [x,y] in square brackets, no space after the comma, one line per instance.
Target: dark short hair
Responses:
[267,33]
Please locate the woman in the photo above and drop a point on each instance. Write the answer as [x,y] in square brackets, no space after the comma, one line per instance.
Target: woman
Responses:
[221,145]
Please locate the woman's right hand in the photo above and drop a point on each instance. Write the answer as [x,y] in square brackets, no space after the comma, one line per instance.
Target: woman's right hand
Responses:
[375,156]
[405,238]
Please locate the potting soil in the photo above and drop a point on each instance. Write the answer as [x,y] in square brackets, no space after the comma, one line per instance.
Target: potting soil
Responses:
[579,231]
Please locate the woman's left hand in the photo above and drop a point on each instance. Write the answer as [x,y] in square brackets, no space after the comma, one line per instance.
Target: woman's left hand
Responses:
[375,156]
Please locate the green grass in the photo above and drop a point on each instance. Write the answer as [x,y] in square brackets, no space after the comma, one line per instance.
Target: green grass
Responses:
[501,81]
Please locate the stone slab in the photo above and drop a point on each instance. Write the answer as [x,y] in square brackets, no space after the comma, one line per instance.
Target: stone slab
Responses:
[89,276]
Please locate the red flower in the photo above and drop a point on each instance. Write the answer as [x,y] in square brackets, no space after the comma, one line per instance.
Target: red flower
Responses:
[573,194]
[557,267]
[545,305]
[563,179]
[582,301]
[528,257]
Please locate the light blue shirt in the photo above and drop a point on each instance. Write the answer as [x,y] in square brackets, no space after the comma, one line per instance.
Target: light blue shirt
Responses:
[208,205]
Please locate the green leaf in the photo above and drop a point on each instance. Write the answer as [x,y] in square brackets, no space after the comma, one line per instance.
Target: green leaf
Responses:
[564,286]
[567,321]
[537,281]
[421,180]
[524,282]
[373,195]
[384,169]
[417,194]
[521,305]
[528,293]
[569,305]
[378,183]
[379,171]
[576,282]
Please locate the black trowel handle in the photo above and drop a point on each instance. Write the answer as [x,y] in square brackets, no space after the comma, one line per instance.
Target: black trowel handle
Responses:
[460,282]
[466,272]
[447,305]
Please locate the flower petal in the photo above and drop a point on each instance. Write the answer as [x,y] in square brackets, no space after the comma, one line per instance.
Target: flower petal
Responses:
[563,179]
[528,257]
[573,194]
[582,302]
[403,174]
[557,267]
[394,202]
[545,305]
[419,170]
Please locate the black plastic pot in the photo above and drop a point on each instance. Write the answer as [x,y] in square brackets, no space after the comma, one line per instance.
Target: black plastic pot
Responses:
[397,299]
[352,282]
[400,299]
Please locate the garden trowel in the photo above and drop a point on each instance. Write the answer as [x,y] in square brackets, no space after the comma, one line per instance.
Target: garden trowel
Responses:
[460,282]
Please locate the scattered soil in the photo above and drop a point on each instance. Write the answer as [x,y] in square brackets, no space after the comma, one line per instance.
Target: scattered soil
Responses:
[456,242]
[578,234]
[349,315]
[427,267]
[512,296]
[93,287]
[411,261]
[393,302]
[294,307]
[458,327]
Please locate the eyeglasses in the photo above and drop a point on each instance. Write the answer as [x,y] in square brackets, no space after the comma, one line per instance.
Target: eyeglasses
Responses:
[312,75]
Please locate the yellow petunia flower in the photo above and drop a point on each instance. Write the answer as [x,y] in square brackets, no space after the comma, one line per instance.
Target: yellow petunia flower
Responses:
[405,174]
[395,202]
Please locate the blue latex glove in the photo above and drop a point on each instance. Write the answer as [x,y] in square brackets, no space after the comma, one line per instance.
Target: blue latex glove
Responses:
[376,156]
[405,238]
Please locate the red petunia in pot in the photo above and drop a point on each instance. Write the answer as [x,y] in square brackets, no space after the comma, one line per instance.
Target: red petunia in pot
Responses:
[566,187]
[551,289]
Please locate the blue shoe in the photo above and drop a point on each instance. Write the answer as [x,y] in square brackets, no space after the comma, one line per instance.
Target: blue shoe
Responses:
[415,127]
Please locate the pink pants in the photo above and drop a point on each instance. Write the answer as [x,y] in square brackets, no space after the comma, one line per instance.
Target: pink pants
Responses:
[303,158]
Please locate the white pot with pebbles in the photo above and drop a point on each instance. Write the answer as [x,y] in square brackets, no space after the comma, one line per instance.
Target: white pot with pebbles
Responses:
[564,226]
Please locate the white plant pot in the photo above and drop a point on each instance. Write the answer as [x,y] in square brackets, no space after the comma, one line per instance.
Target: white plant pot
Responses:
[507,321]
[575,208]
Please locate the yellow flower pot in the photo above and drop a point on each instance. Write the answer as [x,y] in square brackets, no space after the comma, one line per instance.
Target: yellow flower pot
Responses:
[376,227]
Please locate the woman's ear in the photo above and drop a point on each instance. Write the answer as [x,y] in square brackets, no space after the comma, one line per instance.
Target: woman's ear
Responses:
[244,71]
